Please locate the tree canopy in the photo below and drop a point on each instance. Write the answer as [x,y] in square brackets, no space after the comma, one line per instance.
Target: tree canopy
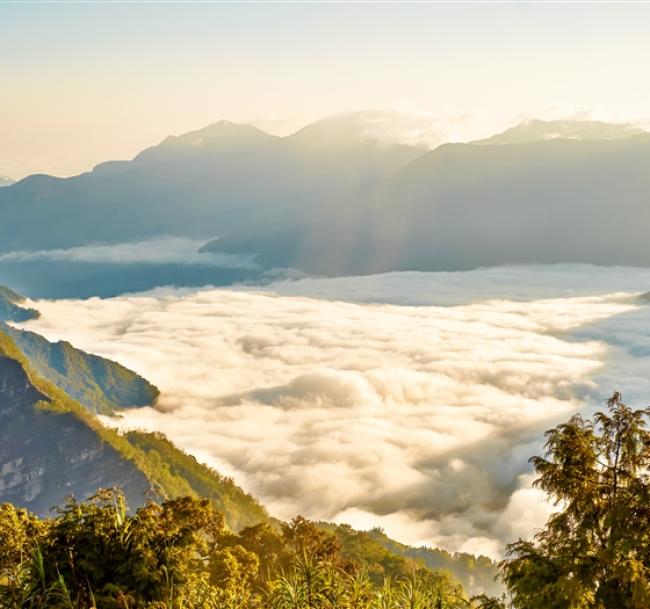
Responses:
[180,554]
[594,552]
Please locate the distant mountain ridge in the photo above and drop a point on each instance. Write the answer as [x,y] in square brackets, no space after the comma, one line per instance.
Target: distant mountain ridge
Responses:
[336,198]
[534,130]
[200,184]
[463,206]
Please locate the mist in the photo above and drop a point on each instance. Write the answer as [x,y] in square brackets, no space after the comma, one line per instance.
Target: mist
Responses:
[339,400]
[159,250]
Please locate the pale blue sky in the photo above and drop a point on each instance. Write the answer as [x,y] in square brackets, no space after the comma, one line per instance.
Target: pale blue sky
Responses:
[85,82]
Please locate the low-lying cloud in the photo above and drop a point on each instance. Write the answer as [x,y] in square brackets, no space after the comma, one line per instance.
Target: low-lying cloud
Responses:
[160,250]
[420,419]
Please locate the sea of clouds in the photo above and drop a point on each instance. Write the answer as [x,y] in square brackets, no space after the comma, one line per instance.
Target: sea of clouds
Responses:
[166,249]
[411,401]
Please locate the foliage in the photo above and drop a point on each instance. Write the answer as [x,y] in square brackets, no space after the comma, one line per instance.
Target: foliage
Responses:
[240,508]
[180,554]
[594,553]
[386,557]
[99,384]
[170,471]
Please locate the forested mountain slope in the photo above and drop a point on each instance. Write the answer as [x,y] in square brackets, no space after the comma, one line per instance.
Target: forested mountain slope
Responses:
[477,574]
[99,384]
[51,447]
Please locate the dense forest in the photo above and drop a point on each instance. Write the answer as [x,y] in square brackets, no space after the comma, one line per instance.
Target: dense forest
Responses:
[594,552]
[180,553]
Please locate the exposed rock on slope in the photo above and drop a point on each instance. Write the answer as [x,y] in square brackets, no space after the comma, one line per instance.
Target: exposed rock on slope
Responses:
[47,454]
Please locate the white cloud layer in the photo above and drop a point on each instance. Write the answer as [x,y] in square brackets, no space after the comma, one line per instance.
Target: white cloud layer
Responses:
[420,419]
[161,250]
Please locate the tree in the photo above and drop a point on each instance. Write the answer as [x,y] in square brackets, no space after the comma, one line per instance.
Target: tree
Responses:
[232,573]
[304,537]
[18,531]
[594,553]
[112,559]
[179,554]
[267,544]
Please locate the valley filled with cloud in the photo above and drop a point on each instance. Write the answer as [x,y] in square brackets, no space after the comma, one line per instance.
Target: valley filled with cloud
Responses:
[410,401]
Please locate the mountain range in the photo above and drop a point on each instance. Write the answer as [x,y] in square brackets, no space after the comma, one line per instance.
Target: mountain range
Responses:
[200,184]
[335,198]
[12,306]
[535,130]
[463,206]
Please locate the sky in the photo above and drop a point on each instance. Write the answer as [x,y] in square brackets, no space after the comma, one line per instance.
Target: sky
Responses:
[82,83]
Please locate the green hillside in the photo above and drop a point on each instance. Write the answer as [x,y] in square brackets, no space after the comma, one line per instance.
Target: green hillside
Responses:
[99,384]
[477,573]
[51,446]
[385,557]
[202,480]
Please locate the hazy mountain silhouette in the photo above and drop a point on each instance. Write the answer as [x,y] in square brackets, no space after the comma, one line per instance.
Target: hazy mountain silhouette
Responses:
[461,206]
[339,197]
[535,130]
[200,184]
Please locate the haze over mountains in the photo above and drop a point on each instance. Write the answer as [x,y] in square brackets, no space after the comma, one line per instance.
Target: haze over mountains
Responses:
[535,130]
[203,184]
[335,198]
[462,206]
[229,204]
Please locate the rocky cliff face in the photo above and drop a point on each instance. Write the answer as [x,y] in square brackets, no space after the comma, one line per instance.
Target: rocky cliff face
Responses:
[46,455]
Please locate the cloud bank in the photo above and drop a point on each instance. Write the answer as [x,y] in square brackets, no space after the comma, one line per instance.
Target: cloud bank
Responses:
[420,419]
[161,250]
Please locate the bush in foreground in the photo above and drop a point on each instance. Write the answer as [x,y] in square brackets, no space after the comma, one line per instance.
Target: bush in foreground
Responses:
[179,554]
